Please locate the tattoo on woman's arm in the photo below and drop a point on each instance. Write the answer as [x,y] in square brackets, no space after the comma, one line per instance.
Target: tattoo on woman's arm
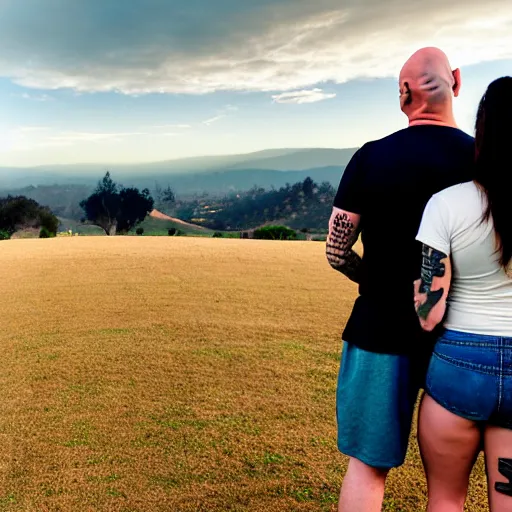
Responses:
[340,255]
[432,266]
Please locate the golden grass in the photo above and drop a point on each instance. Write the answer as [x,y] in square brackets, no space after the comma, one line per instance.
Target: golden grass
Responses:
[175,374]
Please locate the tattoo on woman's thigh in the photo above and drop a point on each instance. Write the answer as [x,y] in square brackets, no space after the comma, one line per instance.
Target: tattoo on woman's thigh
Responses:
[505,468]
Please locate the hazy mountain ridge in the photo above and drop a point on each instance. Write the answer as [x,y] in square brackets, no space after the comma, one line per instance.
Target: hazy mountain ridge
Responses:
[187,173]
[61,188]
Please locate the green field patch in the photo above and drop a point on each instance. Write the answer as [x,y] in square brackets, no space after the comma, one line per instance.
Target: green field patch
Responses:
[47,490]
[115,493]
[323,442]
[303,494]
[217,353]
[167,483]
[8,499]
[93,461]
[177,424]
[81,434]
[237,423]
[119,330]
[104,479]
[294,346]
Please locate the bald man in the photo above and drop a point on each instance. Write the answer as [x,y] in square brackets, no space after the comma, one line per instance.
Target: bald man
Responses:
[382,195]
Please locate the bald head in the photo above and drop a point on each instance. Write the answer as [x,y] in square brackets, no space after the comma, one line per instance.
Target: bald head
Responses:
[427,87]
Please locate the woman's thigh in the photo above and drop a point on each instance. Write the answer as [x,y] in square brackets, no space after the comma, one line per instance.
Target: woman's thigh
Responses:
[498,459]
[449,446]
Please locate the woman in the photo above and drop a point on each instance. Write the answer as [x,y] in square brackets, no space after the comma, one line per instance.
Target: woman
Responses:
[467,261]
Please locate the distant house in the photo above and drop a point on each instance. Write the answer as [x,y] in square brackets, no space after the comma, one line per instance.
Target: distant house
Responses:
[247,234]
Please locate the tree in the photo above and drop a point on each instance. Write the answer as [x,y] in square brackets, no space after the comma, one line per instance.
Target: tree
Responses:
[165,199]
[275,233]
[308,187]
[133,208]
[168,196]
[157,194]
[19,212]
[114,208]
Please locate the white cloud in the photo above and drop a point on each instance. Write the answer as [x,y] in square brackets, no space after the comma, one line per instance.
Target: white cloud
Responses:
[36,97]
[30,129]
[171,127]
[270,45]
[225,111]
[300,97]
[25,138]
[212,120]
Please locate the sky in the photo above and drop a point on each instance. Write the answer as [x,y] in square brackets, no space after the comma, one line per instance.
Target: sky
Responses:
[110,81]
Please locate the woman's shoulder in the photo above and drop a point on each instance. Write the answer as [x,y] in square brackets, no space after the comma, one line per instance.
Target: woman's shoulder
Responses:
[458,195]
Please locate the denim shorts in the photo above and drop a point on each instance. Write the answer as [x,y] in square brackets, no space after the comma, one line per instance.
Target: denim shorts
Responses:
[471,376]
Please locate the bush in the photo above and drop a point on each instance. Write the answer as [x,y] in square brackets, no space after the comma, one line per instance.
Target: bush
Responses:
[217,234]
[139,231]
[172,232]
[275,233]
[180,233]
[45,233]
[49,223]
[18,213]
[4,235]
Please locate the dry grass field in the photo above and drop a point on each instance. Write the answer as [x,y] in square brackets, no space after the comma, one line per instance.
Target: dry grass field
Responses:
[175,374]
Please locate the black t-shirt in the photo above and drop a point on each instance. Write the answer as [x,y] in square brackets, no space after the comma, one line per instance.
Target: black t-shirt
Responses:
[389,182]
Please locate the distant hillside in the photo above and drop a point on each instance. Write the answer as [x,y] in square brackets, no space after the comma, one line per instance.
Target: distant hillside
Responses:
[155,214]
[186,175]
[155,225]
[63,200]
[223,182]
[79,228]
[304,205]
[300,160]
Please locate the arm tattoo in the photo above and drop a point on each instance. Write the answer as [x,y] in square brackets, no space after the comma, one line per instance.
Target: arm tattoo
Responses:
[505,468]
[339,248]
[430,268]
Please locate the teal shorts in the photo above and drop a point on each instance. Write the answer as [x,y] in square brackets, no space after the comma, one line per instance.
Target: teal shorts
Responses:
[375,401]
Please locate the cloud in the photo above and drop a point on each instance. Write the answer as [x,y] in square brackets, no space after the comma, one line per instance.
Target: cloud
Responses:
[200,46]
[209,122]
[30,129]
[300,97]
[29,137]
[225,111]
[36,97]
[171,127]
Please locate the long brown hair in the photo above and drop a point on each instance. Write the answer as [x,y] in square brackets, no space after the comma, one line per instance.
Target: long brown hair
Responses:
[494,161]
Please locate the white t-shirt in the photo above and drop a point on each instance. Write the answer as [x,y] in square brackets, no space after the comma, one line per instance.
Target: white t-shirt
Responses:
[480,299]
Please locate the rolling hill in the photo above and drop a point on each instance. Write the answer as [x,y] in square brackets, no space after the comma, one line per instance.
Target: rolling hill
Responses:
[157,223]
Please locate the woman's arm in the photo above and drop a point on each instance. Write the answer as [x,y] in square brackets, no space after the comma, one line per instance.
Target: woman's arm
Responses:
[431,291]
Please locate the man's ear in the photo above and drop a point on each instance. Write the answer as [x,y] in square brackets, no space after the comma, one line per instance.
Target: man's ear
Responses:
[457,82]
[405,94]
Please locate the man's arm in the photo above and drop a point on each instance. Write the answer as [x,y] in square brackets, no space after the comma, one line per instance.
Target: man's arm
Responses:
[343,234]
[431,291]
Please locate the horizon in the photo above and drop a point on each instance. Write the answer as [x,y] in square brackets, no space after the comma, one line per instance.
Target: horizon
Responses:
[183,159]
[193,80]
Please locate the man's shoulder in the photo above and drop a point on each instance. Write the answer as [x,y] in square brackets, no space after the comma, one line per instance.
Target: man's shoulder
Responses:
[405,144]
[419,132]
[377,144]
